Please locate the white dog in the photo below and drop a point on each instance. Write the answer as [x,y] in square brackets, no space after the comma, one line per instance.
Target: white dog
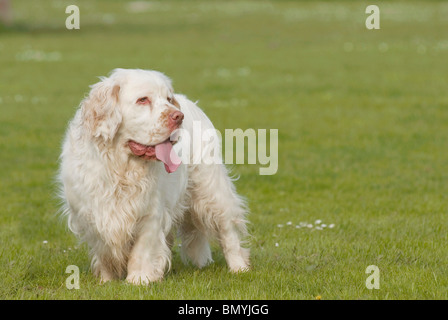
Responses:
[125,190]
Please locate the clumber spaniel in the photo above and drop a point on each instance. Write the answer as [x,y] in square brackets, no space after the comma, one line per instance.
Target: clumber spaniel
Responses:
[125,190]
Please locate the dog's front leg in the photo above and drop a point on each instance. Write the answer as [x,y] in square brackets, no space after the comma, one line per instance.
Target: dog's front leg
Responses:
[150,255]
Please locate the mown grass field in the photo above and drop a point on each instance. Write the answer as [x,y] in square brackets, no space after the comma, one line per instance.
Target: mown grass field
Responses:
[363,129]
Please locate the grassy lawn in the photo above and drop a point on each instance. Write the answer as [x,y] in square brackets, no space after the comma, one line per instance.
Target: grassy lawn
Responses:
[363,129]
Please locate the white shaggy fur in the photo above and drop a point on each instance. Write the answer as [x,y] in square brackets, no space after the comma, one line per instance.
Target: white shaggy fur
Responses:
[126,207]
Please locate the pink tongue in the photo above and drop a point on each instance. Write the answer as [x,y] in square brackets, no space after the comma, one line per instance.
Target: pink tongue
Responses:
[166,154]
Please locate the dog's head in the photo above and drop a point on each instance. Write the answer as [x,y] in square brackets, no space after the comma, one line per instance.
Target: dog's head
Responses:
[138,106]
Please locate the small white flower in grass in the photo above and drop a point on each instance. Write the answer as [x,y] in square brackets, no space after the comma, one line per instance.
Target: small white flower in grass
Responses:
[348,47]
[280,226]
[323,225]
[421,49]
[298,227]
[309,226]
[288,223]
[383,47]
[318,222]
[223,73]
[331,226]
[244,72]
[303,224]
[319,228]
[138,6]
[276,244]
[108,18]
[45,242]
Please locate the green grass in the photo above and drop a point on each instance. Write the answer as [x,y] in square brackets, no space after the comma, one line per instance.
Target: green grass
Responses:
[362,118]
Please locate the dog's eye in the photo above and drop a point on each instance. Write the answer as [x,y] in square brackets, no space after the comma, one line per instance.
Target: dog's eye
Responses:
[143,100]
[170,100]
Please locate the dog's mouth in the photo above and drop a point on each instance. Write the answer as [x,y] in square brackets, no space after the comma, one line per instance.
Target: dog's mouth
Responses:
[163,151]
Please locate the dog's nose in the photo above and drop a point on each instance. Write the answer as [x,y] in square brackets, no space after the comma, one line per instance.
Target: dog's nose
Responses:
[177,117]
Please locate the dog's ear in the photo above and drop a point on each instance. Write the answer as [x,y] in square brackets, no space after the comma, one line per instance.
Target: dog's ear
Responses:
[101,115]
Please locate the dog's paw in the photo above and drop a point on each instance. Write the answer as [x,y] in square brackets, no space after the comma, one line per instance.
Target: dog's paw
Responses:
[239,263]
[240,269]
[141,278]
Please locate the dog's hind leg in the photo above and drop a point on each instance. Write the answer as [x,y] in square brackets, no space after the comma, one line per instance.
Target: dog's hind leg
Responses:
[195,245]
[218,211]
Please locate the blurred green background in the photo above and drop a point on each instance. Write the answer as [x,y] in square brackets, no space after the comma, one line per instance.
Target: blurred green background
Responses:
[362,118]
